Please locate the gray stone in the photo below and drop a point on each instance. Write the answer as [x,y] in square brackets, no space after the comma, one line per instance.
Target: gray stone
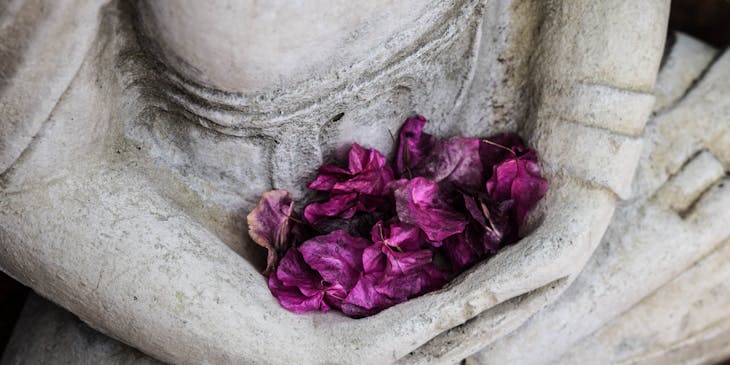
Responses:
[633,301]
[47,334]
[126,205]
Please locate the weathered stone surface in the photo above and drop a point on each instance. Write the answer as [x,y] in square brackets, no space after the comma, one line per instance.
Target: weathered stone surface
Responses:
[33,33]
[668,240]
[47,334]
[127,207]
[686,321]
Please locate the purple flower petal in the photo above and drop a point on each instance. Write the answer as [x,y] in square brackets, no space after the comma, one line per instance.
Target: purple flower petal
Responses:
[364,299]
[397,249]
[337,257]
[328,177]
[403,236]
[373,259]
[341,205]
[296,285]
[334,296]
[406,262]
[518,179]
[291,298]
[414,283]
[367,173]
[461,251]
[456,162]
[490,222]
[413,146]
[294,271]
[498,148]
[269,225]
[419,202]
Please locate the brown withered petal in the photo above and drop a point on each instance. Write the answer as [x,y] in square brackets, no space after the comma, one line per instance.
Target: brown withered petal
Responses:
[270,225]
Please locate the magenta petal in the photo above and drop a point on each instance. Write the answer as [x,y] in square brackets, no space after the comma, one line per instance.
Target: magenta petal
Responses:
[405,286]
[361,159]
[527,191]
[296,285]
[518,179]
[367,173]
[497,148]
[418,202]
[462,251]
[334,296]
[291,298]
[381,258]
[373,259]
[405,237]
[364,299]
[269,224]
[413,145]
[340,205]
[294,271]
[406,262]
[457,162]
[328,177]
[369,182]
[490,222]
[337,257]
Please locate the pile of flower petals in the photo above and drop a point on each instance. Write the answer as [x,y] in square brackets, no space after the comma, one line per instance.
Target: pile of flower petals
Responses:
[381,235]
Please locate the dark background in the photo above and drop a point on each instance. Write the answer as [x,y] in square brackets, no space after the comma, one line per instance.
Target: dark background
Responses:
[708,20]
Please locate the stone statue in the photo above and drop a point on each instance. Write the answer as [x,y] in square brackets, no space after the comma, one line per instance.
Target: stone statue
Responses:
[135,136]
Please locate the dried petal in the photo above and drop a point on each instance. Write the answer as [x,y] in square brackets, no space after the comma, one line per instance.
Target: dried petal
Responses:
[291,298]
[398,235]
[301,289]
[418,282]
[462,251]
[368,173]
[364,299]
[419,202]
[341,205]
[455,162]
[490,222]
[498,148]
[337,257]
[270,225]
[396,249]
[518,179]
[328,177]
[296,285]
[413,146]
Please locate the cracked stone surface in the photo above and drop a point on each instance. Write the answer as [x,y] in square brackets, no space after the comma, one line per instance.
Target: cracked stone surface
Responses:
[124,186]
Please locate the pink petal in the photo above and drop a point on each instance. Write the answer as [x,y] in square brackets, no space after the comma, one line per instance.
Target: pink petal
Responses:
[418,202]
[462,251]
[364,299]
[413,145]
[412,284]
[373,259]
[328,177]
[337,257]
[456,162]
[269,224]
[406,262]
[294,271]
[406,237]
[296,285]
[518,179]
[498,148]
[341,205]
[291,298]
